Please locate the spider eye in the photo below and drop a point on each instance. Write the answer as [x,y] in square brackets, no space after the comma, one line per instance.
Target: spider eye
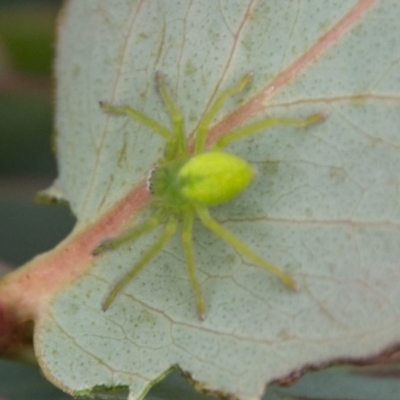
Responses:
[214,177]
[149,182]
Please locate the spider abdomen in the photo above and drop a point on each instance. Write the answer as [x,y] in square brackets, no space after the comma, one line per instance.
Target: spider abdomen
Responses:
[214,177]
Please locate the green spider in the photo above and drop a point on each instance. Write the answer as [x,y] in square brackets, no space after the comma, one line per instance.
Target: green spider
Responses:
[185,183]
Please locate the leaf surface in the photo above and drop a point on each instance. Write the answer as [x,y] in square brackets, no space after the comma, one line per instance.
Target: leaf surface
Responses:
[324,206]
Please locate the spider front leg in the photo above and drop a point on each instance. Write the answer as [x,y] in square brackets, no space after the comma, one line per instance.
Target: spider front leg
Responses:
[204,124]
[142,118]
[111,244]
[175,140]
[179,147]
[240,247]
[165,237]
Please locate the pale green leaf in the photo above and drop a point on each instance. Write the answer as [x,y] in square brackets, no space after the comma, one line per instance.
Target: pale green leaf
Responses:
[325,205]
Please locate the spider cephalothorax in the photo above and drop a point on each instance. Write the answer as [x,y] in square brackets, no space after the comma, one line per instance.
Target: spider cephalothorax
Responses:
[185,183]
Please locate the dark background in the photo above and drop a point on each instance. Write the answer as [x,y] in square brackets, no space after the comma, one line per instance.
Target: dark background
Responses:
[27,163]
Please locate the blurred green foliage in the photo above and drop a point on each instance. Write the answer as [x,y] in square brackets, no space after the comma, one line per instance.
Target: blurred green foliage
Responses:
[28,35]
[27,39]
[27,163]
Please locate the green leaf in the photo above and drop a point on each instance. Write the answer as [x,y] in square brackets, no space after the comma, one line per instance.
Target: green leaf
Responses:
[325,204]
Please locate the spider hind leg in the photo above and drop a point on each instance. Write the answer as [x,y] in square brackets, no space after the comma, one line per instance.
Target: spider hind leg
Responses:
[264,124]
[239,246]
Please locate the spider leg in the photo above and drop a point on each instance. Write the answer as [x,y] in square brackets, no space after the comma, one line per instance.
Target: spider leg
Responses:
[237,244]
[176,118]
[209,115]
[166,235]
[137,115]
[187,242]
[111,244]
[259,126]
